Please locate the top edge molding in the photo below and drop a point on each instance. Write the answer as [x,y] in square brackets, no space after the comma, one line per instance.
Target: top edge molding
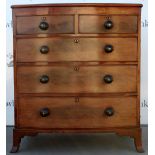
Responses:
[78,5]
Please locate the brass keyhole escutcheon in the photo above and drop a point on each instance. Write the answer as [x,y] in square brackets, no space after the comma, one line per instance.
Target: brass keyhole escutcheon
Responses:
[43,18]
[77,99]
[76,41]
[76,68]
[108,18]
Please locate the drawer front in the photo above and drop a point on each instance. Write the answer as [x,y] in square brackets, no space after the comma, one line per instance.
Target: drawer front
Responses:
[74,79]
[66,112]
[76,49]
[105,24]
[45,24]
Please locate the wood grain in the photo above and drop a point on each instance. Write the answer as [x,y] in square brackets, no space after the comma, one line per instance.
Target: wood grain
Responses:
[76,94]
[87,49]
[57,24]
[67,113]
[111,10]
[95,24]
[64,79]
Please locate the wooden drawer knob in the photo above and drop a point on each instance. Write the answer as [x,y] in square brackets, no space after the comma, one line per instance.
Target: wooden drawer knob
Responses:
[108,48]
[109,111]
[108,78]
[108,24]
[44,112]
[44,49]
[43,26]
[44,79]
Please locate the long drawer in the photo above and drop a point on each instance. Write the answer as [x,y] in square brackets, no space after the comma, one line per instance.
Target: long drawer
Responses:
[45,24]
[67,112]
[76,79]
[76,49]
[107,24]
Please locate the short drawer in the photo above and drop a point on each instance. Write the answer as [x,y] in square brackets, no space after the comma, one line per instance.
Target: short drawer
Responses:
[76,49]
[68,112]
[45,24]
[107,24]
[76,79]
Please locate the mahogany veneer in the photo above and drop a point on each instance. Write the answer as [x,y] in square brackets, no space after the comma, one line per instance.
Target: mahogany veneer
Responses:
[65,49]
[77,69]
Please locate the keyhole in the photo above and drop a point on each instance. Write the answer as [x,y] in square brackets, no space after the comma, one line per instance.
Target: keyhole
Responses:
[76,99]
[43,18]
[76,41]
[107,18]
[76,68]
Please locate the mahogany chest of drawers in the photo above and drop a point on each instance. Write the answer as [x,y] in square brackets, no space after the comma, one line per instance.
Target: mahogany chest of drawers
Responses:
[77,69]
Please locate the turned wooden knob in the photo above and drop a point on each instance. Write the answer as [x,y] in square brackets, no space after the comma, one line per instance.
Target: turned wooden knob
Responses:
[108,24]
[108,48]
[44,112]
[44,49]
[43,26]
[108,78]
[44,79]
[109,111]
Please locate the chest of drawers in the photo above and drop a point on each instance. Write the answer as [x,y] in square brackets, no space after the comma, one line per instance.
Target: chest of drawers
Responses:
[77,69]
